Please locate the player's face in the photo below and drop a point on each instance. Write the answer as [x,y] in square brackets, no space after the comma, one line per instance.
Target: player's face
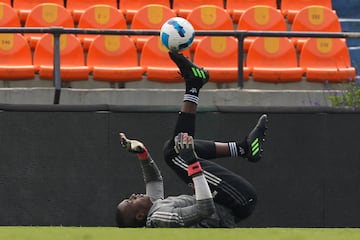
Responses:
[135,203]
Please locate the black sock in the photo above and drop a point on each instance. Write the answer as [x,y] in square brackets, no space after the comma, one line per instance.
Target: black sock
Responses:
[185,123]
[192,93]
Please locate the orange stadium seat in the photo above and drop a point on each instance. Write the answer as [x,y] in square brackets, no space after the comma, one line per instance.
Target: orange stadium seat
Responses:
[130,7]
[314,18]
[236,8]
[150,16]
[15,58]
[23,7]
[209,17]
[77,7]
[46,15]
[219,55]
[326,60]
[8,2]
[260,18]
[273,60]
[114,59]
[183,8]
[155,59]
[72,61]
[100,16]
[289,8]
[8,16]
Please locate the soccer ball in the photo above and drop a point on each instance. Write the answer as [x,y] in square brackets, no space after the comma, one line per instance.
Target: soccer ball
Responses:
[177,34]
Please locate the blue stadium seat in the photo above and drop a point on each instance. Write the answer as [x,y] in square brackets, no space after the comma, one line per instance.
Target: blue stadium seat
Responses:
[348,13]
[355,58]
[347,8]
[351,25]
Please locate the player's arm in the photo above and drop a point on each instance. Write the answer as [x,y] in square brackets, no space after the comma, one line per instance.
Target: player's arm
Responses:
[194,212]
[151,173]
[204,207]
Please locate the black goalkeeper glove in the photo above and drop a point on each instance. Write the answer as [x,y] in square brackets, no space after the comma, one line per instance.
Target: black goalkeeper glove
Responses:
[184,146]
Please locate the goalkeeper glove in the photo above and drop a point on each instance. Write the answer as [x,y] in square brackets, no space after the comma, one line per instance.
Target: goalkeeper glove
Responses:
[133,146]
[184,146]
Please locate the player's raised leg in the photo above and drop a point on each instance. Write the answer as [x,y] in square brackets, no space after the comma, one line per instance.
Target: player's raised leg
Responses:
[194,77]
[250,148]
[232,190]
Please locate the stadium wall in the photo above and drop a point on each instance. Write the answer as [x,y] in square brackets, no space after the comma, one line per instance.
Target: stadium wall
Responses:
[63,165]
[157,97]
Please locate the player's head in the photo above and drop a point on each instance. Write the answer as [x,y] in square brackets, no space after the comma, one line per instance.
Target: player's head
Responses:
[132,212]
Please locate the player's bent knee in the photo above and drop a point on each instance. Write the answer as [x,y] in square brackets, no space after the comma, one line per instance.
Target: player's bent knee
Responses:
[246,210]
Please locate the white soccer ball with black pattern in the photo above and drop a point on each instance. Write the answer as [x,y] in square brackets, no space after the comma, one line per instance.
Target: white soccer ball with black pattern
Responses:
[177,34]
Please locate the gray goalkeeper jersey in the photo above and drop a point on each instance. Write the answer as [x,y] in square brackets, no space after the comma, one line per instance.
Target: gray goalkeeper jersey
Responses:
[182,210]
[185,211]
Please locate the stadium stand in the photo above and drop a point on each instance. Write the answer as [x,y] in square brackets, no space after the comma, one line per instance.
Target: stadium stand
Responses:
[130,7]
[219,55]
[327,60]
[8,16]
[72,58]
[46,15]
[100,16]
[77,7]
[236,8]
[314,18]
[260,18]
[351,25]
[260,15]
[209,17]
[289,8]
[355,59]
[273,59]
[347,8]
[114,59]
[349,17]
[151,16]
[19,67]
[183,8]
[155,59]
[24,7]
[8,2]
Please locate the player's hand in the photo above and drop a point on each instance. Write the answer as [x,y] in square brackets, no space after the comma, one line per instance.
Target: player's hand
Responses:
[184,146]
[132,146]
[183,141]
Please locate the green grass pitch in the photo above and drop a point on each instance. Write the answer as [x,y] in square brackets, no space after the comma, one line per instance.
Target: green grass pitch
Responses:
[108,233]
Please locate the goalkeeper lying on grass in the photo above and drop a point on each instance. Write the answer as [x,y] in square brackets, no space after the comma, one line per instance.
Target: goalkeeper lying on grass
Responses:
[222,198]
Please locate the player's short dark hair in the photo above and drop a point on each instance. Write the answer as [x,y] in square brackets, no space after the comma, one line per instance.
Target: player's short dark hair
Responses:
[123,221]
[120,219]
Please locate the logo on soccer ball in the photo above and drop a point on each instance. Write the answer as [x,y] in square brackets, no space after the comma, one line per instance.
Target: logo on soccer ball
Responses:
[178,27]
[177,34]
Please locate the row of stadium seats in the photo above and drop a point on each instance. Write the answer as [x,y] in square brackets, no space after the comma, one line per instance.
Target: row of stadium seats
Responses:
[235,8]
[152,16]
[204,17]
[116,59]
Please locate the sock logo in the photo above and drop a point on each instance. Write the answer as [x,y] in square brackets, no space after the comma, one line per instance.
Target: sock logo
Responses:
[242,151]
[193,90]
[255,147]
[198,72]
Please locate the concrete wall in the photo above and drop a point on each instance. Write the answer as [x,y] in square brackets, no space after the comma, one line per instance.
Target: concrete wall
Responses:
[209,98]
[65,166]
